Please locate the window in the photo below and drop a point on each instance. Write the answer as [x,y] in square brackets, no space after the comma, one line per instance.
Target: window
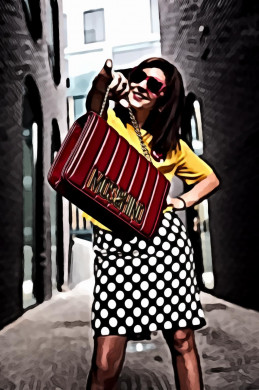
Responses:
[79,106]
[94,26]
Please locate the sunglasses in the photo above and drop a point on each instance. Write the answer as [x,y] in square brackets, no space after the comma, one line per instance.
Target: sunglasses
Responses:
[154,85]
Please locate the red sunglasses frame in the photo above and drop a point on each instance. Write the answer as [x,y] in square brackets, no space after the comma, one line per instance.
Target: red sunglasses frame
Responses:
[147,78]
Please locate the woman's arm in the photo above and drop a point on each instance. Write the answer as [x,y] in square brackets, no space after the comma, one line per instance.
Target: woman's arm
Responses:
[200,191]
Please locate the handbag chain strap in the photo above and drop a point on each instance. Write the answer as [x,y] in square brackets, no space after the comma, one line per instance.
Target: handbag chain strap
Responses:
[134,124]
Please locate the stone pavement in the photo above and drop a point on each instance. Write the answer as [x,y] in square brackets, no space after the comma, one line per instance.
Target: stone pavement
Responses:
[50,348]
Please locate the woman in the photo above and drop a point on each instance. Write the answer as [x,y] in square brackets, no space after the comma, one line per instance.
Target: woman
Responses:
[143,286]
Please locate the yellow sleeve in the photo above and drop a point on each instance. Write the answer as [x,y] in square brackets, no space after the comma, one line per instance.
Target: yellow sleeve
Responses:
[190,167]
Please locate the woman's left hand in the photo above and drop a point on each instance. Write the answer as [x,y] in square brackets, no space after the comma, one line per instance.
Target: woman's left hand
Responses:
[177,204]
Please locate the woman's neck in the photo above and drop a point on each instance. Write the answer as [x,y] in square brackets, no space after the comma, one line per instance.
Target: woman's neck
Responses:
[141,116]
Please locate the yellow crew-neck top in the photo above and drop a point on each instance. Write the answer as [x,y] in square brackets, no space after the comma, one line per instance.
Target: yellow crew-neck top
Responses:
[182,161]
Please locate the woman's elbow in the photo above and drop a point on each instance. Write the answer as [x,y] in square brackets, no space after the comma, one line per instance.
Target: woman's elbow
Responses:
[214,181]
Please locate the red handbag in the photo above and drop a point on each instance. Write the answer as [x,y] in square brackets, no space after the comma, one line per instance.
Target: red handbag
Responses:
[102,174]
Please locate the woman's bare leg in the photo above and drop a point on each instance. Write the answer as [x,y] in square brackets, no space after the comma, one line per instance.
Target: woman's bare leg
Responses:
[185,359]
[107,362]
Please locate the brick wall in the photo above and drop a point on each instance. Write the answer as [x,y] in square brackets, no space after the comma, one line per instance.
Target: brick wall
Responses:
[221,67]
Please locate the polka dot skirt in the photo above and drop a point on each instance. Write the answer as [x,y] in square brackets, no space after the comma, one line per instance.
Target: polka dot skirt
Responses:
[145,285]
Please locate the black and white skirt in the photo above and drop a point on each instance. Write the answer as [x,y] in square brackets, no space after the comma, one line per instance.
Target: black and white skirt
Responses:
[145,285]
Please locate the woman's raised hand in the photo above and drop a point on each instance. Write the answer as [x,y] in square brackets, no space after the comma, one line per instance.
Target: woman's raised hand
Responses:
[119,88]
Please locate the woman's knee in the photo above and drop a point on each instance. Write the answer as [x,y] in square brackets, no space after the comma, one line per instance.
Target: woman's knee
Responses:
[109,355]
[183,340]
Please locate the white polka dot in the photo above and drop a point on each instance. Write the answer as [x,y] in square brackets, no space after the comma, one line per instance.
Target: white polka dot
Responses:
[97,323]
[196,321]
[160,301]
[105,246]
[188,282]
[167,309]
[144,269]
[175,267]
[188,314]
[112,257]
[182,291]
[175,251]
[152,310]
[162,231]
[191,257]
[192,289]
[144,286]
[189,242]
[168,325]
[119,295]
[103,296]
[105,331]
[182,258]
[101,232]
[152,261]
[142,244]
[113,322]
[97,305]
[128,257]
[137,312]
[165,223]
[168,216]
[175,229]
[136,278]
[168,292]
[180,243]
[175,300]
[134,240]
[111,287]
[157,240]
[137,329]
[105,264]
[188,266]
[128,286]
[177,222]
[182,274]
[182,323]
[112,271]
[187,250]
[98,274]
[121,313]
[160,268]
[168,260]
[121,330]
[104,313]
[136,294]
[117,242]
[175,283]
[171,237]
[160,284]
[160,318]
[97,289]
[195,281]
[128,303]
[129,321]
[119,278]
[175,316]
[128,270]
[192,273]
[112,304]
[120,262]
[108,236]
[152,327]
[145,320]
[144,256]
[194,305]
[127,248]
[136,262]
[152,276]
[152,293]
[99,240]
[166,246]
[160,254]
[112,249]
[151,250]
[188,298]
[197,296]
[183,235]
[144,302]
[182,307]
[168,275]
[135,253]
[200,313]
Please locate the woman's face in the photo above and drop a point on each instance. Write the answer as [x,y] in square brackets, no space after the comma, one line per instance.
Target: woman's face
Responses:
[141,95]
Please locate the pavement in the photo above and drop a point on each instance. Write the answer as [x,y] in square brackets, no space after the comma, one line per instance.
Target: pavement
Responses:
[50,348]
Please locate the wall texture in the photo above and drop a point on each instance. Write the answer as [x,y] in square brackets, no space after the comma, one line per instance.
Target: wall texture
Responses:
[215,46]
[21,55]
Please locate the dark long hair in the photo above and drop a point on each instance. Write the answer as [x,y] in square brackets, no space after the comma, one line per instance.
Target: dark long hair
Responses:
[164,120]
